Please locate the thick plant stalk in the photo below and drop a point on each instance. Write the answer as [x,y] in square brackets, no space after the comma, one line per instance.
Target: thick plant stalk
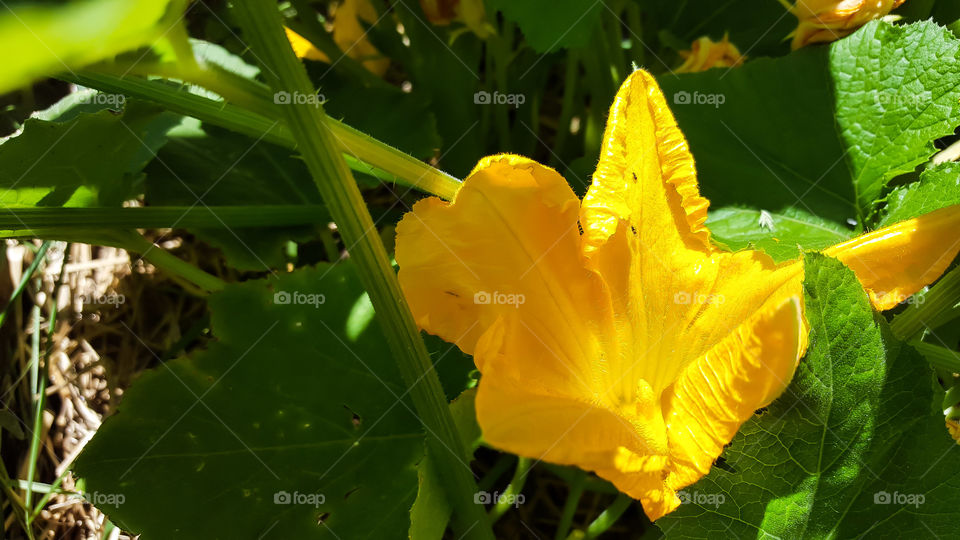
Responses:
[261,24]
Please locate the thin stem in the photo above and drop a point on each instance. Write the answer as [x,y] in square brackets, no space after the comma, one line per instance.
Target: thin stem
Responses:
[935,304]
[26,221]
[609,516]
[37,259]
[577,485]
[262,28]
[363,153]
[38,389]
[509,497]
[163,260]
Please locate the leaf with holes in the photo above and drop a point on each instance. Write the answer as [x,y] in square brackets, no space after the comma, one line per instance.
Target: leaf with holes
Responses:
[287,426]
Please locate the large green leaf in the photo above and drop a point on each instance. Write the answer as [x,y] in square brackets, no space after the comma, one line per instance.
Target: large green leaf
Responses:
[287,401]
[821,130]
[937,188]
[854,447]
[550,25]
[213,167]
[40,41]
[85,160]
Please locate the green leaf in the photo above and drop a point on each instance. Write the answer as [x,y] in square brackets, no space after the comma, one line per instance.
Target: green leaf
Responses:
[854,447]
[551,25]
[87,160]
[782,236]
[214,167]
[936,189]
[402,120]
[40,41]
[284,401]
[823,129]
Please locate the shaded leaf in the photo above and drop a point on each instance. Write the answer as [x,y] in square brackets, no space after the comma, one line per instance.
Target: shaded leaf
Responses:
[285,427]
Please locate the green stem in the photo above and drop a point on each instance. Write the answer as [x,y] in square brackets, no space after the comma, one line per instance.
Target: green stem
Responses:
[192,278]
[609,516]
[163,260]
[38,388]
[577,485]
[509,497]
[939,357]
[262,28]
[935,305]
[26,221]
[363,153]
[37,259]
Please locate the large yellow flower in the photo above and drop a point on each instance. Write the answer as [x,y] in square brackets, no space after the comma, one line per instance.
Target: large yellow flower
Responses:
[611,334]
[829,20]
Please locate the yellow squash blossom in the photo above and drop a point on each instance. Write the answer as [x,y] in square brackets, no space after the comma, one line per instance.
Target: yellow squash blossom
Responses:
[828,20]
[611,334]
[349,35]
[706,53]
[953,427]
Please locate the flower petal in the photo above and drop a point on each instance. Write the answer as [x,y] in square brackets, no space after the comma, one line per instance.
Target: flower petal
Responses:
[645,176]
[506,248]
[895,262]
[715,395]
